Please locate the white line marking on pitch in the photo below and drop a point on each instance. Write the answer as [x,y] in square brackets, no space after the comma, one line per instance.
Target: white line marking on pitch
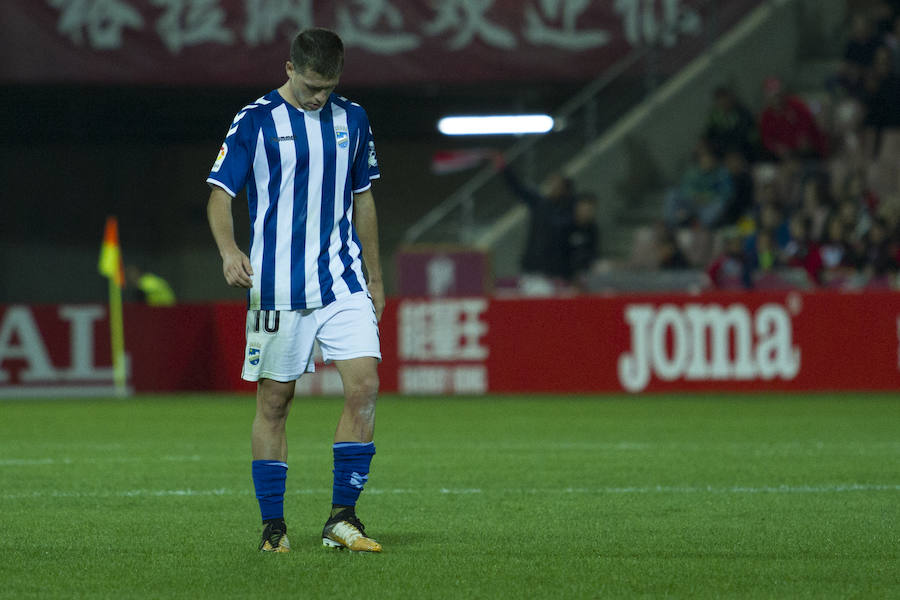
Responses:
[65,460]
[659,489]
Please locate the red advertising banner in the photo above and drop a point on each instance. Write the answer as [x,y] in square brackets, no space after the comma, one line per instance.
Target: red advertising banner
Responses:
[728,342]
[442,270]
[229,42]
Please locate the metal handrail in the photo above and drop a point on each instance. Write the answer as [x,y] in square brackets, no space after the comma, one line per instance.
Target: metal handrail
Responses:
[464,194]
[463,198]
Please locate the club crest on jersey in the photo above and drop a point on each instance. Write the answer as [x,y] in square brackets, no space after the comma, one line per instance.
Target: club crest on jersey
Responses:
[253,356]
[220,159]
[373,160]
[342,137]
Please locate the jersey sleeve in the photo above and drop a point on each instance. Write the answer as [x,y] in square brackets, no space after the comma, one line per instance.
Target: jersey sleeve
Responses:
[365,162]
[232,165]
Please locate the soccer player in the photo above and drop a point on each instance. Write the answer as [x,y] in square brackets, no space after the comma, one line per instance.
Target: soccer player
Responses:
[307,158]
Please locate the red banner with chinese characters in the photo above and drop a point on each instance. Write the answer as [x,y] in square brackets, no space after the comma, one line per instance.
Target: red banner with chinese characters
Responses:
[245,42]
[659,343]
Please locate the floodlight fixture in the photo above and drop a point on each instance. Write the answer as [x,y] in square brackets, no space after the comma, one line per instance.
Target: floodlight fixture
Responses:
[495,124]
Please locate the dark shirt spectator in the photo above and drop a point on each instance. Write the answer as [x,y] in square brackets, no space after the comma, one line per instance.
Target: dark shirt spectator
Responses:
[860,48]
[583,237]
[668,253]
[551,208]
[880,251]
[882,92]
[892,40]
[741,202]
[731,126]
[788,128]
[858,53]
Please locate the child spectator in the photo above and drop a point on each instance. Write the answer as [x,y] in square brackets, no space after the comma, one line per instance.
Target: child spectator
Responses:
[730,269]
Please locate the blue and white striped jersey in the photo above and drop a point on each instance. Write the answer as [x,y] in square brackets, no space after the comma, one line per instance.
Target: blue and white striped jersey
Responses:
[301,169]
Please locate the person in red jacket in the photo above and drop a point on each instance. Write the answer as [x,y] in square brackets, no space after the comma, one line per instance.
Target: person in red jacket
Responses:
[787,127]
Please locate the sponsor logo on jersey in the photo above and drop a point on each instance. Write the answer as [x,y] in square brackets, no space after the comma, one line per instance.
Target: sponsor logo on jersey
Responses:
[707,342]
[373,160]
[223,151]
[342,137]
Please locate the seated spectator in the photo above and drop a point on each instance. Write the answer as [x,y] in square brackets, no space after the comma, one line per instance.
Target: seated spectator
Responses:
[730,269]
[880,251]
[741,204]
[770,220]
[836,252]
[881,92]
[762,253]
[669,255]
[730,126]
[858,55]
[882,15]
[788,128]
[816,205]
[704,193]
[892,40]
[801,251]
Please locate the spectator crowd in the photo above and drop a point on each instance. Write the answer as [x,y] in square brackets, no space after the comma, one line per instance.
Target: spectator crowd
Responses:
[806,191]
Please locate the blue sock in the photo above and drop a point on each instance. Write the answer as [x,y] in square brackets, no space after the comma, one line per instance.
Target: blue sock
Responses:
[269,480]
[351,470]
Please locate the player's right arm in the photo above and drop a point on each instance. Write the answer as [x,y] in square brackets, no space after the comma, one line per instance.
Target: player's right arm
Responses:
[235,264]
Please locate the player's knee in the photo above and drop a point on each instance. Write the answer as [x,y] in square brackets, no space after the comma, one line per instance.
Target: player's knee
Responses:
[363,390]
[273,407]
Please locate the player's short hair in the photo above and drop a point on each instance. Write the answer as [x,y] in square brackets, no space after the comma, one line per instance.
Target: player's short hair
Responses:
[320,50]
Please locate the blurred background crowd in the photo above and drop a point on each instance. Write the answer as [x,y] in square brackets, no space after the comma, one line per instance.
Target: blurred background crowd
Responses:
[698,144]
[804,191]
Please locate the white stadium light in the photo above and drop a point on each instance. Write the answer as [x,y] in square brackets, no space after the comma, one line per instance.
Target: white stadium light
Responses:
[495,124]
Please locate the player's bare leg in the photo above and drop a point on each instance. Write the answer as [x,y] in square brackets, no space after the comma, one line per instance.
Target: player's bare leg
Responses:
[360,379]
[269,448]
[273,403]
[353,451]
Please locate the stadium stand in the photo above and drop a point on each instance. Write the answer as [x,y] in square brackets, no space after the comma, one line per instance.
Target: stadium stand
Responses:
[855,188]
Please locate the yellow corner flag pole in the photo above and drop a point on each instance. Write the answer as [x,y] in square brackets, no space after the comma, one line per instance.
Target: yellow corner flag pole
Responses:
[110,266]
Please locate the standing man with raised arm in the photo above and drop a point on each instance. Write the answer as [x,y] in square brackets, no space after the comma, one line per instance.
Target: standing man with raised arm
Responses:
[307,159]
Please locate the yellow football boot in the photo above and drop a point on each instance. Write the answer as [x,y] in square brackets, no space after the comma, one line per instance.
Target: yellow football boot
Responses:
[274,538]
[344,530]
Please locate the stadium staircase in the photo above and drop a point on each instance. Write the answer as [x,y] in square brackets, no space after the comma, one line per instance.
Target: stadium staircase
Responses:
[628,134]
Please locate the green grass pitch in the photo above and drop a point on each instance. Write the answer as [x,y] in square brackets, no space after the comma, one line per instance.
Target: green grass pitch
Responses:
[712,496]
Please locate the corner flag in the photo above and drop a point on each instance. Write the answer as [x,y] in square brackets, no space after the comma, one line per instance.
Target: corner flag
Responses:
[110,266]
[110,254]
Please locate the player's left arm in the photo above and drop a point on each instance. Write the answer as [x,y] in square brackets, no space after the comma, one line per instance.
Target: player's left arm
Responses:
[366,222]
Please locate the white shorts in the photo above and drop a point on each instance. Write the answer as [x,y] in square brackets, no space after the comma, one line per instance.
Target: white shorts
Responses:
[280,342]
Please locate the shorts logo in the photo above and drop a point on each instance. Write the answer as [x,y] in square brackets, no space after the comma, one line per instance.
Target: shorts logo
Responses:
[253,356]
[342,136]
[223,151]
